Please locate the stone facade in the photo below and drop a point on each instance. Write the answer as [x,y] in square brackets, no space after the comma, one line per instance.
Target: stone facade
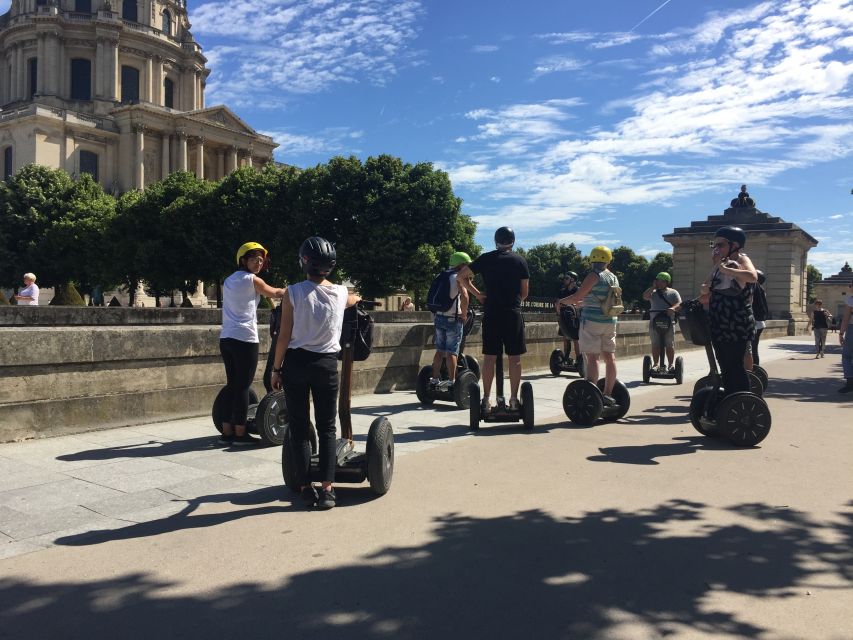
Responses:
[834,289]
[776,247]
[114,88]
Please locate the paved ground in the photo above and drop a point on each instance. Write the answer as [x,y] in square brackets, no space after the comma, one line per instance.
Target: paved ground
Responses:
[636,529]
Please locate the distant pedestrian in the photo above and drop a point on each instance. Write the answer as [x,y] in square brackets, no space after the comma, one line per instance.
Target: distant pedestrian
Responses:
[820,325]
[845,337]
[407,305]
[29,295]
[665,302]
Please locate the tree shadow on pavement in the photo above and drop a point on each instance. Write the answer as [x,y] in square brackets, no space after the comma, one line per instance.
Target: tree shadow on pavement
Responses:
[810,390]
[674,569]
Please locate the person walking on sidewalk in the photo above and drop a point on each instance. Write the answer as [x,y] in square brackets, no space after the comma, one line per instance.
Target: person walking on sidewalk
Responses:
[306,361]
[845,337]
[29,295]
[820,325]
[238,339]
[665,302]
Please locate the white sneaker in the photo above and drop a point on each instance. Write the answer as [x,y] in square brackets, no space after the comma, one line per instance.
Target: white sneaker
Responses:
[445,385]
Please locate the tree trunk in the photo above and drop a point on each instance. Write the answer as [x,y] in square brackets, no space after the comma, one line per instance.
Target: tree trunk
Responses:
[218,294]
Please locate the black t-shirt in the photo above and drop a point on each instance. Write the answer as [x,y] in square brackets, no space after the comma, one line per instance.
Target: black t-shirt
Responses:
[820,319]
[565,292]
[503,272]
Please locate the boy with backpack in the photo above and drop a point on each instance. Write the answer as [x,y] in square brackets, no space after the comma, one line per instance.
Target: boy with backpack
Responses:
[601,298]
[449,303]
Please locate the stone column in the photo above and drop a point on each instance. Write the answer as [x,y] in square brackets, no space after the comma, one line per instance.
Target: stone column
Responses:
[41,59]
[12,68]
[182,151]
[54,65]
[193,90]
[100,68]
[199,161]
[249,161]
[147,86]
[20,73]
[157,85]
[111,84]
[232,159]
[220,164]
[164,155]
[139,158]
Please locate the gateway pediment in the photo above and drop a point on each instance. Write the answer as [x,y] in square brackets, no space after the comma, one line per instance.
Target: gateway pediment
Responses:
[222,116]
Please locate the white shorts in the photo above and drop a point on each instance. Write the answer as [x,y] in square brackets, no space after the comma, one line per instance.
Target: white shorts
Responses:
[597,337]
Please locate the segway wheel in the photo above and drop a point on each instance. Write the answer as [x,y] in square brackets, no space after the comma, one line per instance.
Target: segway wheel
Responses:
[706,381]
[698,408]
[679,370]
[288,463]
[271,418]
[582,402]
[555,362]
[527,405]
[743,419]
[422,388]
[460,388]
[647,368]
[755,385]
[473,365]
[380,456]
[474,406]
[762,375]
[620,395]
[218,413]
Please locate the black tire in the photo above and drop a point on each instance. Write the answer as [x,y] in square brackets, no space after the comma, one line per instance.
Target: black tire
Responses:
[474,406]
[380,456]
[288,466]
[762,375]
[218,410]
[679,370]
[711,380]
[620,395]
[582,402]
[755,385]
[271,418]
[743,419]
[422,388]
[556,361]
[647,368]
[460,388]
[527,415]
[473,365]
[698,406]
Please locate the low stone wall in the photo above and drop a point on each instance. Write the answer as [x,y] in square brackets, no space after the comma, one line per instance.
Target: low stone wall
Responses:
[68,379]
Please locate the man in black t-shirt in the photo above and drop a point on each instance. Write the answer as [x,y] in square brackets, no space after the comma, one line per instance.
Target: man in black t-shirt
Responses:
[507,280]
[569,287]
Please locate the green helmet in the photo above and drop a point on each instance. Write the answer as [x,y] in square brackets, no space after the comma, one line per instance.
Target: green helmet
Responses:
[663,275]
[460,257]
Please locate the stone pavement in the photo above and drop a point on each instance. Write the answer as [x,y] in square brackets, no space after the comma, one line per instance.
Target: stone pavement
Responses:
[675,535]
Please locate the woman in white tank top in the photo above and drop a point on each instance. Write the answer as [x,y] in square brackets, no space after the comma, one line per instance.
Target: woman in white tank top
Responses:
[238,339]
[306,361]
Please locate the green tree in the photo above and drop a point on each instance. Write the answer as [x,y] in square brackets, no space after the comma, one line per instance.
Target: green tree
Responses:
[812,276]
[661,262]
[547,262]
[631,269]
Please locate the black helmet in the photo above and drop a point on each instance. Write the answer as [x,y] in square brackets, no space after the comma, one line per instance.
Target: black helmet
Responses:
[570,274]
[761,277]
[317,256]
[732,234]
[504,237]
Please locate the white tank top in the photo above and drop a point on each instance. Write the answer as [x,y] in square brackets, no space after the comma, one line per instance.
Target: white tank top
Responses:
[318,316]
[240,307]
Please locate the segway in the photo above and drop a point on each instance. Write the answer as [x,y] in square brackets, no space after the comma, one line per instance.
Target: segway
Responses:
[743,417]
[761,373]
[467,372]
[267,418]
[376,464]
[501,412]
[662,373]
[584,402]
[568,321]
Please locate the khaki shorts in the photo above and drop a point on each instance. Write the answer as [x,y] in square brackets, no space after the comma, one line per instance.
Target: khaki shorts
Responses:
[597,337]
[662,340]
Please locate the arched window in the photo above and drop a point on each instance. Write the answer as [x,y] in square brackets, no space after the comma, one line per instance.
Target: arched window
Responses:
[33,73]
[167,23]
[8,164]
[168,93]
[128,10]
[83,6]
[89,164]
[129,84]
[81,79]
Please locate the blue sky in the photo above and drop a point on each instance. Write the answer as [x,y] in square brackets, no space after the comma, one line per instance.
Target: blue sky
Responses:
[608,121]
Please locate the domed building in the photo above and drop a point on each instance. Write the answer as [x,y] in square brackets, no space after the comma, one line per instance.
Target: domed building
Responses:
[113,88]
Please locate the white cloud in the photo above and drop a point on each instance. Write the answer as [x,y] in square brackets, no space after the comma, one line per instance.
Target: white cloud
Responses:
[485,48]
[327,142]
[556,64]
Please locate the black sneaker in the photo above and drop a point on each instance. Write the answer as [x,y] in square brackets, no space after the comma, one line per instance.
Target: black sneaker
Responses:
[609,401]
[309,496]
[226,440]
[847,388]
[244,441]
[327,499]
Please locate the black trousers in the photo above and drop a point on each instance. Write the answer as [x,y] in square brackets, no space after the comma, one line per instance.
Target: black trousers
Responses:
[730,357]
[303,372]
[755,346]
[241,362]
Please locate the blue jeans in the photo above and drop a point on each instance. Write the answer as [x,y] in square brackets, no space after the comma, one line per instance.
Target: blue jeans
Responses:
[847,353]
[448,333]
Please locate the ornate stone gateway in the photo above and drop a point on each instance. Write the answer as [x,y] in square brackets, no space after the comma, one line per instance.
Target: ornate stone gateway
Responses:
[776,247]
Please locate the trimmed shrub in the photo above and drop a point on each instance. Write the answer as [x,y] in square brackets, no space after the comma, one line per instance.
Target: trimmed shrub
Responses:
[67,296]
[3,299]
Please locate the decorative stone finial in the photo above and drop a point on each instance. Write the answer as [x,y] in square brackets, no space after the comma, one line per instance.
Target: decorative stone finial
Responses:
[106,5]
[743,200]
[846,268]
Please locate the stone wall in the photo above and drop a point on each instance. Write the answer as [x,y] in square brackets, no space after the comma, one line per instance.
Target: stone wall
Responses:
[78,377]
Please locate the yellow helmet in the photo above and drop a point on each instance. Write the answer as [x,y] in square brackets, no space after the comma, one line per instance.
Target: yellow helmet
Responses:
[247,247]
[600,254]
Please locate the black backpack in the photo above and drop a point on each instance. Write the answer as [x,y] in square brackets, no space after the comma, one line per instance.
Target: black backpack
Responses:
[759,303]
[438,298]
[358,326]
[275,323]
